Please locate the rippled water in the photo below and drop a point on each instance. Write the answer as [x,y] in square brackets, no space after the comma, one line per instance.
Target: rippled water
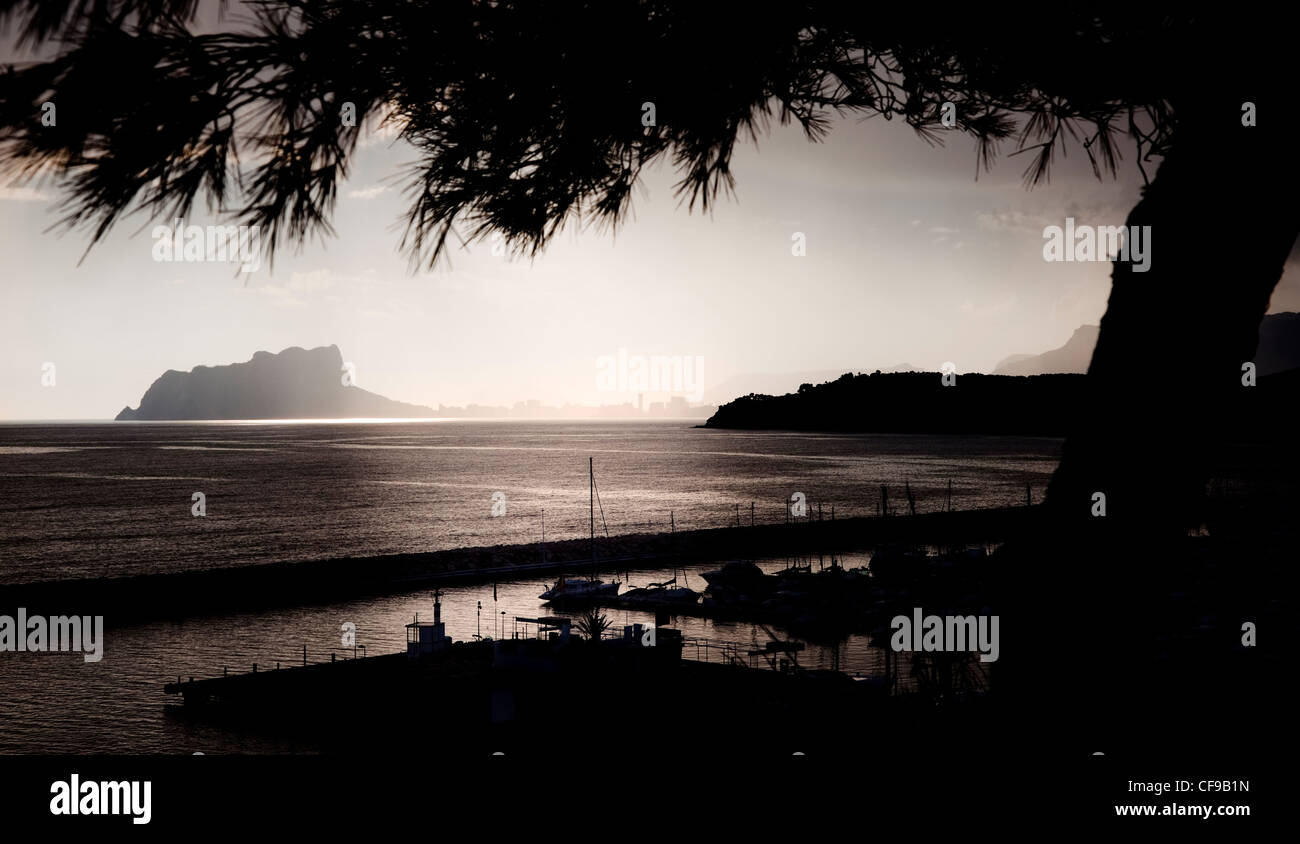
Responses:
[86,500]
[111,499]
[57,703]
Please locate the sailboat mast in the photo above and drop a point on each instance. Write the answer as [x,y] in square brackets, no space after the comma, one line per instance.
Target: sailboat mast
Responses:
[591,505]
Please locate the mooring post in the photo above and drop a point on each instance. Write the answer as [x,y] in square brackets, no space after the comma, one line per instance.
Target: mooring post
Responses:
[304,656]
[255,668]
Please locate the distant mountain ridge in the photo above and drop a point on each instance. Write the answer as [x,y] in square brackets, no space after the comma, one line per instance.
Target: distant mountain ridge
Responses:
[1278,351]
[296,383]
[1072,358]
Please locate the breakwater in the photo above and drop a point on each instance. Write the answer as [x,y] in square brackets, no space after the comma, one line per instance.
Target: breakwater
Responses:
[183,594]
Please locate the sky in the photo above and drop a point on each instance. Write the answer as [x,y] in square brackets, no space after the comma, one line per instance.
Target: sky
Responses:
[909,259]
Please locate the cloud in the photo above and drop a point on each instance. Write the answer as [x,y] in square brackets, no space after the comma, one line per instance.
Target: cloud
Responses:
[368,193]
[314,287]
[995,309]
[381,128]
[280,297]
[14,194]
[1016,221]
[311,282]
[1097,213]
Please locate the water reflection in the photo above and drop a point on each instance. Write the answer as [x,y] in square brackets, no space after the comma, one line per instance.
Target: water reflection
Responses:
[64,705]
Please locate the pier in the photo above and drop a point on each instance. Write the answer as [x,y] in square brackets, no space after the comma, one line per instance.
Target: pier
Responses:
[496,688]
[520,691]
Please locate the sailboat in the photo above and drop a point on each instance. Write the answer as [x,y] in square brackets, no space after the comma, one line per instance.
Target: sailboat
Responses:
[667,592]
[577,588]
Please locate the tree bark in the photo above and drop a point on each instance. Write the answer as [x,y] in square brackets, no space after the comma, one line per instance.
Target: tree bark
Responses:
[1098,637]
[1167,369]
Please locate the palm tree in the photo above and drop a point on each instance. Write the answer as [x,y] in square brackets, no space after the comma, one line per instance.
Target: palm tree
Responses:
[593,624]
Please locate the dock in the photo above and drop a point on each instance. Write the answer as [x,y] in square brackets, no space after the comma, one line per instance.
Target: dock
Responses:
[525,688]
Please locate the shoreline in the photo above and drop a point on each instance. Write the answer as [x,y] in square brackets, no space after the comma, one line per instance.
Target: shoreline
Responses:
[209,591]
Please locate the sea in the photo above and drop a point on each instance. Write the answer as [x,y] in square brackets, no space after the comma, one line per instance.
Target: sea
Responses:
[104,499]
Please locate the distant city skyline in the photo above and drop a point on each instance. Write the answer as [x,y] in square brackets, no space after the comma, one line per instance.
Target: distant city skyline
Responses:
[675,407]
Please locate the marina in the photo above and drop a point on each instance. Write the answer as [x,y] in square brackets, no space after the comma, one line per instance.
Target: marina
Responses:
[528,675]
[170,621]
[145,597]
[787,607]
[892,513]
[553,670]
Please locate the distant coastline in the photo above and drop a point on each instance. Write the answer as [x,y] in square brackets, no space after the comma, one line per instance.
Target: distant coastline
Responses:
[914,403]
[316,385]
[1010,405]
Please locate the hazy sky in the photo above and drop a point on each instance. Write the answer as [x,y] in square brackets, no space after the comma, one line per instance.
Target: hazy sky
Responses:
[909,259]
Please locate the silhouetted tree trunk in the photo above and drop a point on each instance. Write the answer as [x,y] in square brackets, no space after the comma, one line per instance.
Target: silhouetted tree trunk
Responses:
[1167,369]
[1094,623]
